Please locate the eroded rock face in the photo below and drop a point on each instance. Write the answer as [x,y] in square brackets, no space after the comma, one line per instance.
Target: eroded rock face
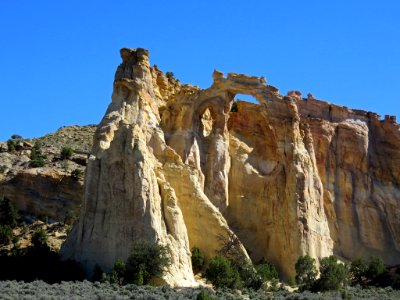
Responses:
[44,192]
[48,192]
[171,164]
[138,187]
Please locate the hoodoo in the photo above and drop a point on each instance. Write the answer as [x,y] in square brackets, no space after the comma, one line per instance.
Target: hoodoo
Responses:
[171,163]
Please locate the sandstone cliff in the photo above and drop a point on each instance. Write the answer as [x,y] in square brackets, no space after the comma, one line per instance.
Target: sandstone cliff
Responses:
[137,186]
[288,176]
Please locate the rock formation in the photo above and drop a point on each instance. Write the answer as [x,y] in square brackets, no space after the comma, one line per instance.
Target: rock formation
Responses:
[49,191]
[172,164]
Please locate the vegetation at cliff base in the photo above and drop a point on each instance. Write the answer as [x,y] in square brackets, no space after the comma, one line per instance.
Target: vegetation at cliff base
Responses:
[104,290]
[333,274]
[306,272]
[198,259]
[221,273]
[8,221]
[146,260]
[233,276]
[8,214]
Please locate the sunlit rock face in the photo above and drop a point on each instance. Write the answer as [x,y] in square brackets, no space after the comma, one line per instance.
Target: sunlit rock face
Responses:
[288,176]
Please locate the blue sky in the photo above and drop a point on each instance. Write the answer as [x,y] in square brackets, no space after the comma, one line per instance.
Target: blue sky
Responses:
[58,58]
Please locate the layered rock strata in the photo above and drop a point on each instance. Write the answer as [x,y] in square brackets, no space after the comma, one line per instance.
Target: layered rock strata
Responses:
[172,164]
[50,191]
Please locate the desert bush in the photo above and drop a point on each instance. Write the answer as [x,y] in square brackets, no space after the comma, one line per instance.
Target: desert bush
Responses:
[306,272]
[118,272]
[39,238]
[292,281]
[357,272]
[6,234]
[249,277]
[16,137]
[104,290]
[333,274]
[77,174]
[266,270]
[170,75]
[221,273]
[376,268]
[197,259]
[371,272]
[37,157]
[145,261]
[8,214]
[203,295]
[66,152]
[11,145]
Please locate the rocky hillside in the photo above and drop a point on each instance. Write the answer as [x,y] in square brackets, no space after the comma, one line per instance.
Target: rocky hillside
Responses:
[46,185]
[288,176]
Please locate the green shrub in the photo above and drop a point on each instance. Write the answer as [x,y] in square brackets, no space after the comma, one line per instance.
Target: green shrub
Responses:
[39,239]
[8,214]
[203,295]
[118,272]
[357,272]
[37,162]
[306,272]
[367,273]
[266,270]
[221,273]
[197,259]
[292,281]
[145,261]
[16,137]
[249,277]
[6,234]
[66,153]
[333,274]
[77,174]
[376,268]
[37,158]
[170,75]
[11,145]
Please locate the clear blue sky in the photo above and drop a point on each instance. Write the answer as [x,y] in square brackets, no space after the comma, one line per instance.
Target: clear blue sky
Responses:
[58,58]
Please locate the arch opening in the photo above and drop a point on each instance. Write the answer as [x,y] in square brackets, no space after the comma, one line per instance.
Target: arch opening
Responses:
[246,98]
[243,98]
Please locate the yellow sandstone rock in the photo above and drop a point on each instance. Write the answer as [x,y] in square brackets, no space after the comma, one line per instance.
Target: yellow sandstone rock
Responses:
[288,176]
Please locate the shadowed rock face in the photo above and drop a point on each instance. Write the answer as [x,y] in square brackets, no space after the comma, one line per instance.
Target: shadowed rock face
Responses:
[171,164]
